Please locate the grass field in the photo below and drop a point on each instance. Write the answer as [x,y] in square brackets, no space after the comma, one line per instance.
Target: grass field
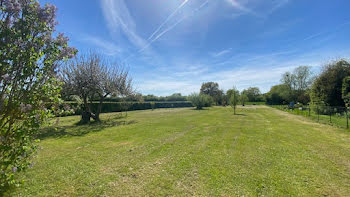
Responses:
[185,152]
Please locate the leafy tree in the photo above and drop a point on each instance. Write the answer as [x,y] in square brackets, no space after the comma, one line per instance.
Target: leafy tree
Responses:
[233,94]
[253,94]
[29,56]
[91,77]
[244,98]
[346,91]
[212,89]
[200,100]
[225,100]
[278,94]
[327,87]
[298,83]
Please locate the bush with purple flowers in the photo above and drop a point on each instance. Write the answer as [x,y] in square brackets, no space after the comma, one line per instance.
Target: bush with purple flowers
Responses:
[29,55]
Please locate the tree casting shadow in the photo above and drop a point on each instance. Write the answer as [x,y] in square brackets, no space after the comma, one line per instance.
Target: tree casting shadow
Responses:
[79,129]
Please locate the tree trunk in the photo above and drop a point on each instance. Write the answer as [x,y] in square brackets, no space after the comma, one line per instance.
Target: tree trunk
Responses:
[85,115]
[96,117]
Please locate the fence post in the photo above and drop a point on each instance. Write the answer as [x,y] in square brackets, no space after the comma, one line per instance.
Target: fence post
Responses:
[309,112]
[330,116]
[318,115]
[347,118]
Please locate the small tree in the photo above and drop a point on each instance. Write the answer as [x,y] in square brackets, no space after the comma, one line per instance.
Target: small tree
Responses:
[234,98]
[29,55]
[200,100]
[90,77]
[346,91]
[153,104]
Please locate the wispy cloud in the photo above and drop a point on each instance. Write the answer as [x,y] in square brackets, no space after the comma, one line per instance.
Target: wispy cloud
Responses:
[328,31]
[245,7]
[278,4]
[262,71]
[191,71]
[237,5]
[221,53]
[106,47]
[118,19]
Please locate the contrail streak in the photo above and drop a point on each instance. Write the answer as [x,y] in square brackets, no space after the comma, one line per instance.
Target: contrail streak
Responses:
[173,26]
[168,18]
[168,29]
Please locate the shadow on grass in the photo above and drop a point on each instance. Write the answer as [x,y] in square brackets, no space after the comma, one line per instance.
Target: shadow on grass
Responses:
[240,115]
[78,129]
[203,109]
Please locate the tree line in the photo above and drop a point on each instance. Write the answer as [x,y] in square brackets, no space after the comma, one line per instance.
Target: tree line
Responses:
[210,94]
[329,88]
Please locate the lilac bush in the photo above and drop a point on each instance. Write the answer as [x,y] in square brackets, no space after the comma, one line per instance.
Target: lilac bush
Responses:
[29,56]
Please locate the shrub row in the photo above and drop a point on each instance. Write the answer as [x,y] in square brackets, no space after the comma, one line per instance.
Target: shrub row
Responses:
[123,106]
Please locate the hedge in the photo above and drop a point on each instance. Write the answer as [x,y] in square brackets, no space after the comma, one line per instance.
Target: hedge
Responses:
[126,106]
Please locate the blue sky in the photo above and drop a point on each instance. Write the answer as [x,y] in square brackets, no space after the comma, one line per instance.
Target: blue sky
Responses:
[176,45]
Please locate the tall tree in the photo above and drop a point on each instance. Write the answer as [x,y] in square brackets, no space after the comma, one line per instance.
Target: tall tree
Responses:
[91,77]
[253,94]
[327,87]
[29,56]
[212,89]
[298,82]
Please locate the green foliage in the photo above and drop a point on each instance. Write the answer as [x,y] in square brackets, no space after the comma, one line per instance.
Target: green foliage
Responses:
[212,89]
[200,100]
[298,83]
[253,94]
[153,105]
[233,94]
[346,90]
[244,99]
[173,97]
[74,108]
[29,55]
[327,87]
[278,94]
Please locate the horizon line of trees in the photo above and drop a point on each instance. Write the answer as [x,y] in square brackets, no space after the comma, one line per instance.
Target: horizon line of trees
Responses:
[298,86]
[329,88]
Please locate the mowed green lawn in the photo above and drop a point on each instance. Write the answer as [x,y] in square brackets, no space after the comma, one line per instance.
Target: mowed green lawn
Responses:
[185,152]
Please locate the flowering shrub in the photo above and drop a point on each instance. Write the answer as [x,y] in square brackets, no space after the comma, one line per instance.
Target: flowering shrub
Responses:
[29,55]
